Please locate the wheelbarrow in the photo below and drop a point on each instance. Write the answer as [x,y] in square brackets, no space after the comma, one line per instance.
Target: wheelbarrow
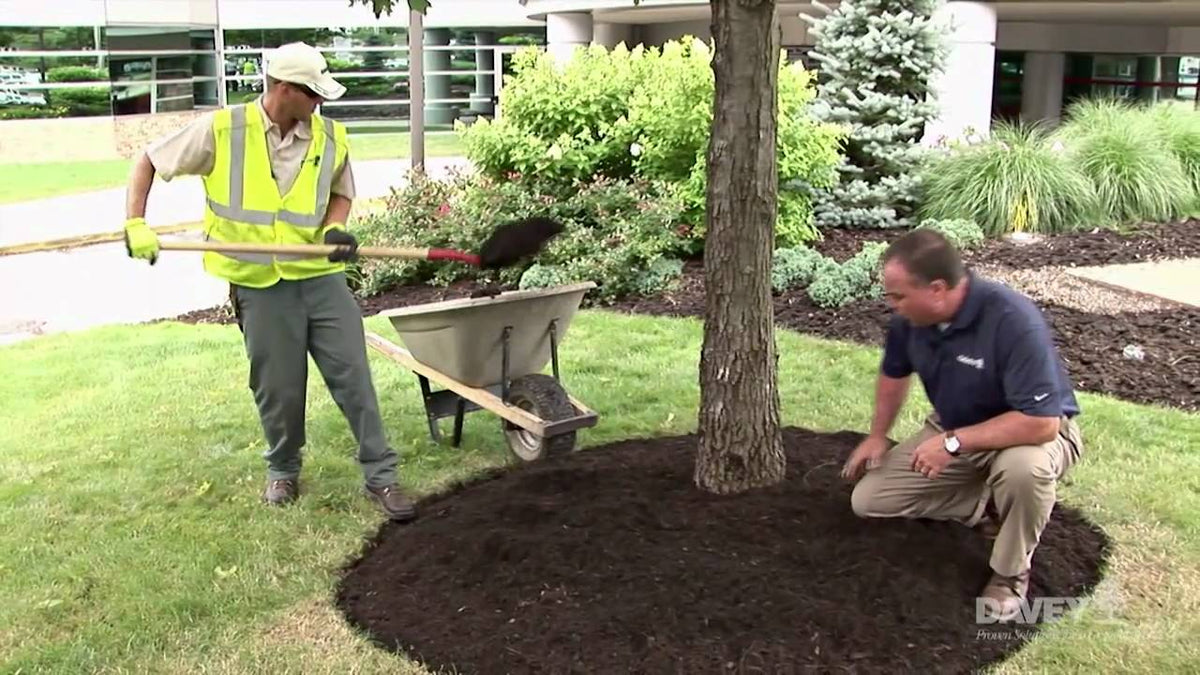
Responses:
[488,353]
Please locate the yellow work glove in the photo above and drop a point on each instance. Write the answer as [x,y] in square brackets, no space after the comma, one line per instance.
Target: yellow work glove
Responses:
[140,240]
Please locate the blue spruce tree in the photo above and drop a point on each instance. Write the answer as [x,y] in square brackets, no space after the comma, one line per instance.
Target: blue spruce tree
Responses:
[878,61]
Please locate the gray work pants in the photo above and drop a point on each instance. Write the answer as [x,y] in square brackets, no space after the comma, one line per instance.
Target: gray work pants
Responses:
[281,326]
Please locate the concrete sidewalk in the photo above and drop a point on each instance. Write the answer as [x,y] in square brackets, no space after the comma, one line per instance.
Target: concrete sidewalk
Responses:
[49,292]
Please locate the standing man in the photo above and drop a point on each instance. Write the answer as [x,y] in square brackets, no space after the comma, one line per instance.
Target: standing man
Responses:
[1003,428]
[275,172]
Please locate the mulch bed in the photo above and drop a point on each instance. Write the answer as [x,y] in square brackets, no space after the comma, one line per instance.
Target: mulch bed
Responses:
[1080,249]
[1092,345]
[611,561]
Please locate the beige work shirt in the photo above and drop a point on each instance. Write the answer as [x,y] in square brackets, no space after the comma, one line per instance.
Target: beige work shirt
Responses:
[191,151]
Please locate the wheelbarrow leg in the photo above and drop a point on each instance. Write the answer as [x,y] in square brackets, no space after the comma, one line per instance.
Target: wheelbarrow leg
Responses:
[460,411]
[430,414]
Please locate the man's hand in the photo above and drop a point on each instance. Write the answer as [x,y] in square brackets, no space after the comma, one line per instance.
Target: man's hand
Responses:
[140,240]
[347,242]
[930,457]
[869,455]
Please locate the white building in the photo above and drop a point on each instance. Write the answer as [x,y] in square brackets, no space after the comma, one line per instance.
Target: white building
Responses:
[1010,59]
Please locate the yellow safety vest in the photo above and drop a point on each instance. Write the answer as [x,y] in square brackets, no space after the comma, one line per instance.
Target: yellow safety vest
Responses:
[244,204]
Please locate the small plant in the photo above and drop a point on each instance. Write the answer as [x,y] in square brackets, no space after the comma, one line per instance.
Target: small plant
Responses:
[856,279]
[796,267]
[964,234]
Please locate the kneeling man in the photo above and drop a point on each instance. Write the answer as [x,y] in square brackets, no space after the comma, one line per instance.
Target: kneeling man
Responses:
[1003,429]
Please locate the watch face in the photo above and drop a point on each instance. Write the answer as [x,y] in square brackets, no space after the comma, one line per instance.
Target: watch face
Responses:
[952,445]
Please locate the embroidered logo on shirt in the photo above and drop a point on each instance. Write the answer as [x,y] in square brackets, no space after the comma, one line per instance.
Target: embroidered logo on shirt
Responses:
[966,360]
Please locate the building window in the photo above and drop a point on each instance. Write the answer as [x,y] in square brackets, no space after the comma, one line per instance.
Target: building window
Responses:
[1130,77]
[1007,86]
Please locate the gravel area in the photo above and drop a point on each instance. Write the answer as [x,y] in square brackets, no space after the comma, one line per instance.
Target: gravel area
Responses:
[1055,285]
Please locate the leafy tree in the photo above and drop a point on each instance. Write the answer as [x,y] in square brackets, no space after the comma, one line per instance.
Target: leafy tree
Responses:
[741,442]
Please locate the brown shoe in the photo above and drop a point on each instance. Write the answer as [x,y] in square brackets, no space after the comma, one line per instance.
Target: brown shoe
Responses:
[393,502]
[1003,596]
[281,491]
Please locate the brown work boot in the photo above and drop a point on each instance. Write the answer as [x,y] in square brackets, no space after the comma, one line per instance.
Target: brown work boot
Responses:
[1003,596]
[281,491]
[393,502]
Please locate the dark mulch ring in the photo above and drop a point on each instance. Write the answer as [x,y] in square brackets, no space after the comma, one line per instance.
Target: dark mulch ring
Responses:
[1080,249]
[611,561]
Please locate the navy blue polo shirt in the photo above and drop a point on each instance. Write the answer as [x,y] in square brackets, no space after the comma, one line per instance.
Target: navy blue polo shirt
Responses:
[996,355]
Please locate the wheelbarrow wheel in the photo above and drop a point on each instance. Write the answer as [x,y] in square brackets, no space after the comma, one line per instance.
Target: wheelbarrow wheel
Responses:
[542,396]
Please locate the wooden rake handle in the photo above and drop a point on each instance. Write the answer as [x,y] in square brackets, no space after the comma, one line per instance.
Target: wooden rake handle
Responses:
[322,250]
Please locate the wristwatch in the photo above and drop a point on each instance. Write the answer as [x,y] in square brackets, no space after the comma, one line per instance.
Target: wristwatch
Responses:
[952,444]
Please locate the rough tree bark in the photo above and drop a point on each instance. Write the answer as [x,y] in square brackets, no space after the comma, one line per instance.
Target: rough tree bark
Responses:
[741,445]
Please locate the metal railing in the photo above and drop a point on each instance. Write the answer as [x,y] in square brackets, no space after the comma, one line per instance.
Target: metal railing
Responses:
[257,81]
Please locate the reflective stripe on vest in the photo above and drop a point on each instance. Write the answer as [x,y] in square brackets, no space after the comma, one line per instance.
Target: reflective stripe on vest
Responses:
[237,173]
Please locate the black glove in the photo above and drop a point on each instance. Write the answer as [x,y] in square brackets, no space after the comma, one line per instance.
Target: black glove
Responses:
[347,242]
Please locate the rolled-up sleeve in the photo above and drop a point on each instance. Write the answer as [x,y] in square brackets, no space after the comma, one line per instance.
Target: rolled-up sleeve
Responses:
[895,362]
[189,151]
[343,181]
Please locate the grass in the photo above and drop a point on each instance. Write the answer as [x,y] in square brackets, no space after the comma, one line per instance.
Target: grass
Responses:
[1123,150]
[1017,180]
[132,539]
[21,182]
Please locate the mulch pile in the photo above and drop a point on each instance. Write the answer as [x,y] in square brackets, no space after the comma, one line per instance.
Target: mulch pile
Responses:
[611,561]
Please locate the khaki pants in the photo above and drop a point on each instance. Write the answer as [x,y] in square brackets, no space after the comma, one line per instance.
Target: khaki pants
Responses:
[1020,481]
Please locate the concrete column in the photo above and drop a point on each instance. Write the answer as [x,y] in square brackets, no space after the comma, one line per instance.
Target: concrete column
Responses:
[566,31]
[484,82]
[1170,73]
[437,86]
[610,35]
[1147,71]
[1042,86]
[964,89]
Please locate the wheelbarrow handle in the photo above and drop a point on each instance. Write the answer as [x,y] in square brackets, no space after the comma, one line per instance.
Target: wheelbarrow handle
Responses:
[321,250]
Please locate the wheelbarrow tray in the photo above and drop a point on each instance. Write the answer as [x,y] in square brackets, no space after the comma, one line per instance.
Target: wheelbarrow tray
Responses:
[488,353]
[464,339]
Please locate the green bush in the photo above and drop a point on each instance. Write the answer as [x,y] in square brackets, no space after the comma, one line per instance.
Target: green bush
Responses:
[1124,151]
[617,233]
[645,114]
[1021,179]
[964,234]
[76,74]
[796,267]
[855,279]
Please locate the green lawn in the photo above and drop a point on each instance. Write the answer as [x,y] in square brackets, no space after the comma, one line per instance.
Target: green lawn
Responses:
[132,539]
[21,182]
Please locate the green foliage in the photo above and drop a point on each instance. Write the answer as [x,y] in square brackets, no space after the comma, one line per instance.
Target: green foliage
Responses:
[1124,151]
[877,59]
[796,267]
[644,113]
[76,74]
[963,234]
[828,283]
[618,233]
[31,112]
[1021,179]
[1180,128]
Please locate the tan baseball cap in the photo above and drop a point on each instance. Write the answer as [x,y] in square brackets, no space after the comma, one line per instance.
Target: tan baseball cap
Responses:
[300,63]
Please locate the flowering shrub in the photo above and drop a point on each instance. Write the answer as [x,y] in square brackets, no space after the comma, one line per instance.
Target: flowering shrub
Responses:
[618,233]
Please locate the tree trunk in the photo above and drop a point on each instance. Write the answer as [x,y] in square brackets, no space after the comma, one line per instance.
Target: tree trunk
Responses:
[741,445]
